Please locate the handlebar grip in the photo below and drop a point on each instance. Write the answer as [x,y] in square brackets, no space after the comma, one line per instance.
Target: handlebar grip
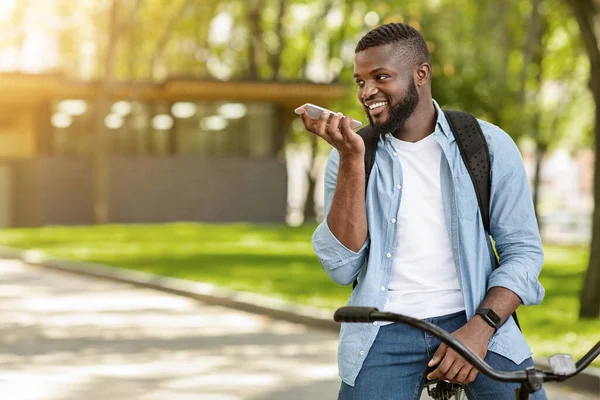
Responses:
[354,314]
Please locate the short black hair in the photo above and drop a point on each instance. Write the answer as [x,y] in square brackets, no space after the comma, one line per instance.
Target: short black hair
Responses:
[409,41]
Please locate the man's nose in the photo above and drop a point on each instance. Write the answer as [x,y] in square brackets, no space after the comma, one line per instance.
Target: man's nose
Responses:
[369,90]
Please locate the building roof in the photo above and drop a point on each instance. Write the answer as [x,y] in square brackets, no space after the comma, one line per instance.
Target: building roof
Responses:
[34,87]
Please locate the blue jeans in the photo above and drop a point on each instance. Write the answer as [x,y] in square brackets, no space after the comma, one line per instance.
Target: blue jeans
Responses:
[396,366]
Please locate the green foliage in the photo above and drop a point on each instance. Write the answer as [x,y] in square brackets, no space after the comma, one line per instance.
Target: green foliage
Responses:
[554,326]
[279,261]
[482,59]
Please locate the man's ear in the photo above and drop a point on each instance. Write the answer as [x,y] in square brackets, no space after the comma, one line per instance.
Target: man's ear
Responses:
[422,74]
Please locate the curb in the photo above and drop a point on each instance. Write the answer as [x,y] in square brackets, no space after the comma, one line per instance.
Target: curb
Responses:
[207,293]
[588,380]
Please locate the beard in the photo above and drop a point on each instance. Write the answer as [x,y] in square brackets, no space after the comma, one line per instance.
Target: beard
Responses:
[398,114]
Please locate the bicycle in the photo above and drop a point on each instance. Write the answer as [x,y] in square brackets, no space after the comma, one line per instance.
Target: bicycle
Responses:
[444,390]
[530,379]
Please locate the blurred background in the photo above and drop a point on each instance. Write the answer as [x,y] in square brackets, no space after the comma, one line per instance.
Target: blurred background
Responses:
[148,110]
[159,136]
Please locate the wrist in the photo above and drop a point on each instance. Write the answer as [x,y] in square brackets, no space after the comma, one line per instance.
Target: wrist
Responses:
[490,317]
[352,161]
[482,326]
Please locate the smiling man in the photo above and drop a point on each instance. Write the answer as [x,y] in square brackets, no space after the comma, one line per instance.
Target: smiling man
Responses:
[415,242]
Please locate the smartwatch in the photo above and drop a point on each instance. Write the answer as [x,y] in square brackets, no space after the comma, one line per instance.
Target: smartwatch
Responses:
[490,317]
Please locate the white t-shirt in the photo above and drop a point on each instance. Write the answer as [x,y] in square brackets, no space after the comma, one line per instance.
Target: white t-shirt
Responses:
[424,281]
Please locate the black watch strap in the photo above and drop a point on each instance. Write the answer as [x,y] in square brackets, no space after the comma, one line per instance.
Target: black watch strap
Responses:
[490,317]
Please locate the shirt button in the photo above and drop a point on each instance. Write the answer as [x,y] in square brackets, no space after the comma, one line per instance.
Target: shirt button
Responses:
[398,186]
[383,288]
[395,154]
[388,255]
[393,220]
[362,353]
[388,135]
[375,323]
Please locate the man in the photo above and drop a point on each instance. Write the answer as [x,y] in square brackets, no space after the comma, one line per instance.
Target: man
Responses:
[416,243]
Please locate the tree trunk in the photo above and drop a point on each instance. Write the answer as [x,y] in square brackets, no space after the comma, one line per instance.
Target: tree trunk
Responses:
[101,154]
[590,295]
[533,39]
[255,38]
[537,56]
[540,152]
[586,12]
[309,204]
[276,57]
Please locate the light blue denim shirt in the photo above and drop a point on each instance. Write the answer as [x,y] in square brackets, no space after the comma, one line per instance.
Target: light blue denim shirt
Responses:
[512,225]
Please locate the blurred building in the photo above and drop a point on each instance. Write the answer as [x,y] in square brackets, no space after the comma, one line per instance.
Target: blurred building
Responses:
[566,194]
[181,150]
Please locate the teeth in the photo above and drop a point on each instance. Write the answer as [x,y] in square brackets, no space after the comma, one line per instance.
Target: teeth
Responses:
[377,105]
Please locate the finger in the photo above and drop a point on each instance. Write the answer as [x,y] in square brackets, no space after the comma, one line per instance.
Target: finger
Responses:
[463,374]
[345,127]
[472,376]
[335,121]
[435,374]
[333,129]
[300,110]
[309,123]
[321,126]
[452,370]
[441,370]
[438,355]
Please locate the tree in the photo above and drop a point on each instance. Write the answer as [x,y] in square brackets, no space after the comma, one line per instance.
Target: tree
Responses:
[485,58]
[100,159]
[548,84]
[587,13]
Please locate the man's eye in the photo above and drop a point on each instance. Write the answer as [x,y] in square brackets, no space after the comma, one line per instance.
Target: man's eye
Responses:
[360,83]
[381,77]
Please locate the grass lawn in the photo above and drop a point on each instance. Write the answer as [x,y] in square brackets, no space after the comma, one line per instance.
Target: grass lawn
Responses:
[279,261]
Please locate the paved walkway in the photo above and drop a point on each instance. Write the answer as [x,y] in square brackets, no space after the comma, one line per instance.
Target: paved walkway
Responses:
[69,338]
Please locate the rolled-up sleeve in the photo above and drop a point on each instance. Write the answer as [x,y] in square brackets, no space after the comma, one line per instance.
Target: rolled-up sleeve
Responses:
[513,224]
[340,263]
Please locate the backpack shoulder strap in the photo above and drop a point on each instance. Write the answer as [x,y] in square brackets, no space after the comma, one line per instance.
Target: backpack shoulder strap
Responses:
[370,139]
[475,154]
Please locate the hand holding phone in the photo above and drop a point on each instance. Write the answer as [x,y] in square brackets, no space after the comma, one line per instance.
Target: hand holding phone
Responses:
[314,112]
[336,130]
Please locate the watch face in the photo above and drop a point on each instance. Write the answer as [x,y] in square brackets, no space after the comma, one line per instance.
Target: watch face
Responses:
[493,316]
[489,314]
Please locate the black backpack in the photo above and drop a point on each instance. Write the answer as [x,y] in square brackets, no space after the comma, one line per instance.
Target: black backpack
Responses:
[475,154]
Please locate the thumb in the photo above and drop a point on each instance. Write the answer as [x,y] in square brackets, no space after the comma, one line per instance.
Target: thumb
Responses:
[439,354]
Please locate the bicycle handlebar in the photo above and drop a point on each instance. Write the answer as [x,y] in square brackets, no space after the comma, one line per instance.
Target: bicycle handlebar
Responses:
[532,378]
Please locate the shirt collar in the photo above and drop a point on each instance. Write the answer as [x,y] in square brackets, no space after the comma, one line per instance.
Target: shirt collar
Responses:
[441,122]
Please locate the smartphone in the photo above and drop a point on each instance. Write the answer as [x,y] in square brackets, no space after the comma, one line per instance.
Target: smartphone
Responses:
[314,112]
